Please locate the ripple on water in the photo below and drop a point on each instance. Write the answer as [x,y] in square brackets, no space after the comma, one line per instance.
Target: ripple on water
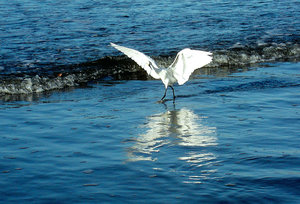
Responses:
[73,147]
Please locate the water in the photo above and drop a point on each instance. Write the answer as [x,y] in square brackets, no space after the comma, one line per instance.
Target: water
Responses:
[231,138]
[42,34]
[47,45]
[80,124]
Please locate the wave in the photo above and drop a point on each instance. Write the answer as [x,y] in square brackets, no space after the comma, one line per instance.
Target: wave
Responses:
[123,68]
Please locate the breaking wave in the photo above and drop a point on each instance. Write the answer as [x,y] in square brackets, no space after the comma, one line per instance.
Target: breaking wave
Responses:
[122,68]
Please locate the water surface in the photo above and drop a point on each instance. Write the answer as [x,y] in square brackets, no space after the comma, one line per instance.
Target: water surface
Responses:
[231,138]
[43,34]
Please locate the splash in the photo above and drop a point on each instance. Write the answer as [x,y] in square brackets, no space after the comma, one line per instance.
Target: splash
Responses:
[121,68]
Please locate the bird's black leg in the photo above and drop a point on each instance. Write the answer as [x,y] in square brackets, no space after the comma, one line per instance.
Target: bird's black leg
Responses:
[164,94]
[173,93]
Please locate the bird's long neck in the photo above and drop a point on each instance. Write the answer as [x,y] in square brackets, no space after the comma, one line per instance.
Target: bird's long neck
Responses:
[154,68]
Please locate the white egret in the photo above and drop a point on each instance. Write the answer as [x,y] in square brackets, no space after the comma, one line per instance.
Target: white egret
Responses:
[179,71]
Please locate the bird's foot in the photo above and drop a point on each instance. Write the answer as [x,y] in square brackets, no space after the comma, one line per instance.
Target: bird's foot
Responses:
[165,100]
[161,101]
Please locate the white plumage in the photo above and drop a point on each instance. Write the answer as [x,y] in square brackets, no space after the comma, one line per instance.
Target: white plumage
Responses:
[179,71]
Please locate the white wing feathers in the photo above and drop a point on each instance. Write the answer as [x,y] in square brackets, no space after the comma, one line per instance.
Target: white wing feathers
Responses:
[187,61]
[141,59]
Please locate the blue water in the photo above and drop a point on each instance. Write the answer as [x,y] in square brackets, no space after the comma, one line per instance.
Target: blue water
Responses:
[41,34]
[232,135]
[231,138]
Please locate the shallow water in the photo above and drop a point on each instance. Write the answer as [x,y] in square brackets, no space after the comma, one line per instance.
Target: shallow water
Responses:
[228,138]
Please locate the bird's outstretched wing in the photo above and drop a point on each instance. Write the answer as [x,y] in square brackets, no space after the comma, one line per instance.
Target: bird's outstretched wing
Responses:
[187,61]
[141,59]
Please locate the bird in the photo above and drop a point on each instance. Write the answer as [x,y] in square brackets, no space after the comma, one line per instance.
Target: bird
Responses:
[186,61]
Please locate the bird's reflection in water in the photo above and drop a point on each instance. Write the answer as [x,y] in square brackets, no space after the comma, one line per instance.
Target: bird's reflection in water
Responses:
[177,127]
